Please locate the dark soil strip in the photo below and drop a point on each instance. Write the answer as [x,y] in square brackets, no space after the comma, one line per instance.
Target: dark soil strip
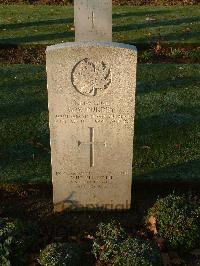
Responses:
[23,55]
[115,2]
[156,53]
[34,203]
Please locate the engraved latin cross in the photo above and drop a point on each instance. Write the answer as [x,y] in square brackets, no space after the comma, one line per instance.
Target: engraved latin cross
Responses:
[92,144]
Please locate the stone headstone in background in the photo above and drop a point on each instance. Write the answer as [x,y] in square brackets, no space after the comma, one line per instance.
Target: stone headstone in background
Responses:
[93,20]
[91,90]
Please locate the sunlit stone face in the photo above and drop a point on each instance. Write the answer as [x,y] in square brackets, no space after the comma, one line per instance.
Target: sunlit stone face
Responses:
[91,91]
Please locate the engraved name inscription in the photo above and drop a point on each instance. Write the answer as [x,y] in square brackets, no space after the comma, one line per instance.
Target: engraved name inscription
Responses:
[88,179]
[99,112]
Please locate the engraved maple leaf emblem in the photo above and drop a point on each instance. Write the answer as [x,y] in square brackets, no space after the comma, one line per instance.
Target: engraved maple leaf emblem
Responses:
[88,77]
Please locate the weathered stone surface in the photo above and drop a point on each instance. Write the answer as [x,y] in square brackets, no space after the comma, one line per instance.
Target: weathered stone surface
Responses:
[91,89]
[93,20]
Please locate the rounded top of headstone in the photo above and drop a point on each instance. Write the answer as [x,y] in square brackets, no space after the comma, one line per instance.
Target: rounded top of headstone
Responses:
[115,45]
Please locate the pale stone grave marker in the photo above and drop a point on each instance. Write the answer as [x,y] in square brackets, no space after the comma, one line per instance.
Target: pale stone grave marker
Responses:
[91,92]
[93,20]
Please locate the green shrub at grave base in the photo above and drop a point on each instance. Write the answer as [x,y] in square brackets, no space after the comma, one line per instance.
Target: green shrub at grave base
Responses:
[197,261]
[175,53]
[177,221]
[15,240]
[147,56]
[138,252]
[193,54]
[108,238]
[113,247]
[58,254]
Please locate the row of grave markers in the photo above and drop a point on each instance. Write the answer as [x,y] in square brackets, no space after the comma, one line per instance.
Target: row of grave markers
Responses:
[91,96]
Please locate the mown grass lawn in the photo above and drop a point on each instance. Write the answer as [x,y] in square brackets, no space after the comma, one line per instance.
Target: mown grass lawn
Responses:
[25,24]
[167,127]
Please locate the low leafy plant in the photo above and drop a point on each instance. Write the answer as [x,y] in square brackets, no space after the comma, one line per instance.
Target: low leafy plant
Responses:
[113,247]
[175,53]
[137,252]
[193,54]
[108,240]
[60,254]
[197,261]
[15,240]
[147,56]
[177,221]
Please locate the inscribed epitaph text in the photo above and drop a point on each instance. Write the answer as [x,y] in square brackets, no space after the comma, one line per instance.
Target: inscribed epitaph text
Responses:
[91,91]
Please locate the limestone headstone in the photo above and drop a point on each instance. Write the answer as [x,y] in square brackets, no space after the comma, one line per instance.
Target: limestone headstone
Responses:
[93,20]
[91,90]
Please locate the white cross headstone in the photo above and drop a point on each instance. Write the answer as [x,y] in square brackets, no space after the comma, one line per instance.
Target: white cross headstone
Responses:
[93,20]
[91,94]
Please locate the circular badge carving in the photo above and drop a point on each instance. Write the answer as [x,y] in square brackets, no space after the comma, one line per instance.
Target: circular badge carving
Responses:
[89,77]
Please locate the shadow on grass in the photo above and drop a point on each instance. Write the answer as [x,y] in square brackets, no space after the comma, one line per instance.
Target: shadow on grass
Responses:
[19,75]
[45,37]
[38,37]
[179,119]
[145,87]
[189,38]
[24,168]
[28,160]
[36,23]
[183,173]
[71,20]
[37,204]
[124,14]
[174,22]
[162,129]
[24,91]
[182,36]
[13,85]
[31,107]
